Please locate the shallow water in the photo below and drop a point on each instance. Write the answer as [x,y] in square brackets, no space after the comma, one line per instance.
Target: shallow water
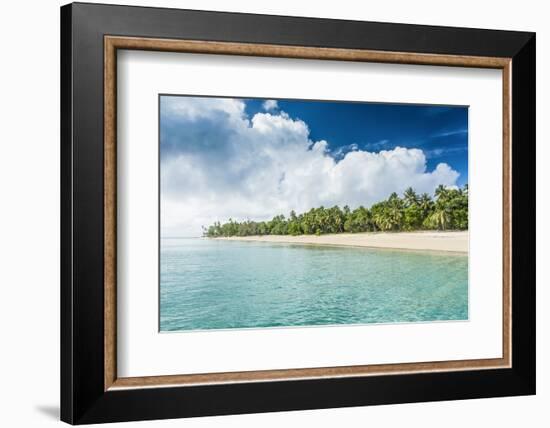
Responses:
[216,284]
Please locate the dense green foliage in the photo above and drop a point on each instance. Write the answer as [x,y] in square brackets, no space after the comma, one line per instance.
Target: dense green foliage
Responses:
[448,210]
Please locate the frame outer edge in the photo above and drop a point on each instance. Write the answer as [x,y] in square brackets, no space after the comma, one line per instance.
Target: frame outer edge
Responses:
[66,218]
[524,218]
[306,31]
[82,394]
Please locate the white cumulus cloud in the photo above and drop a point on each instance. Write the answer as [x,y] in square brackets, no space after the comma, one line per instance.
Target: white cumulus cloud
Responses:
[270,105]
[217,163]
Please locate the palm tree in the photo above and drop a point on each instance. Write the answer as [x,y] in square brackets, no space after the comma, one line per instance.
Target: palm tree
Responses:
[441,192]
[425,203]
[382,221]
[337,219]
[393,198]
[395,216]
[440,218]
[394,211]
[346,210]
[410,197]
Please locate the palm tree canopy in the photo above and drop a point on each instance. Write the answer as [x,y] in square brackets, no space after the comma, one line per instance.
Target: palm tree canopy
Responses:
[413,212]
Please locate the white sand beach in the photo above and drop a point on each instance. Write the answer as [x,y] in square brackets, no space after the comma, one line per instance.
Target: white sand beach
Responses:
[428,241]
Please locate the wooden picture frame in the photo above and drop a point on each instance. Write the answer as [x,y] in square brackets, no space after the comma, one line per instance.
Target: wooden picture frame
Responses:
[91,390]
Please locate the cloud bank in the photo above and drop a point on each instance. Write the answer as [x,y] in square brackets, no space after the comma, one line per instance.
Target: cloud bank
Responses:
[218,163]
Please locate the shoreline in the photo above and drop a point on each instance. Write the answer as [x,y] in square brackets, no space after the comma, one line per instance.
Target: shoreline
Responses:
[452,242]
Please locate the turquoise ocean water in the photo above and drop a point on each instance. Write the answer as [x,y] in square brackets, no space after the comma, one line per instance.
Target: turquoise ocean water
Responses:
[214,284]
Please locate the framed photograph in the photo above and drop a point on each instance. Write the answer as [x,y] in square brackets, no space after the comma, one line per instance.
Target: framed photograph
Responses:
[266,213]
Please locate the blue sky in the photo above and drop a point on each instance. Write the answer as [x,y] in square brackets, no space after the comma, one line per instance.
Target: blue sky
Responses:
[224,158]
[440,131]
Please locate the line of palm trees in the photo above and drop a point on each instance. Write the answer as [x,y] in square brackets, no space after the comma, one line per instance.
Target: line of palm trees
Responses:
[448,210]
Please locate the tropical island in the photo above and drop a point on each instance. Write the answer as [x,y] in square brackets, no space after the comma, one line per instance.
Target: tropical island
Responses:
[415,216]
[449,211]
